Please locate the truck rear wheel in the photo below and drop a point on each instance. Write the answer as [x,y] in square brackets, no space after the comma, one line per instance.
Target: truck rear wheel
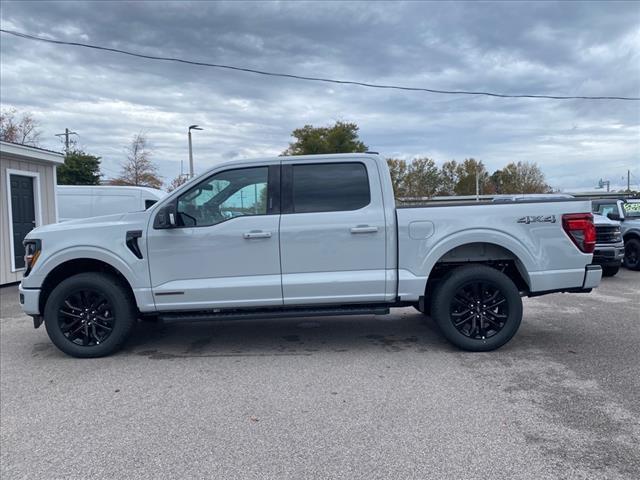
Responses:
[477,308]
[632,254]
[89,315]
[609,271]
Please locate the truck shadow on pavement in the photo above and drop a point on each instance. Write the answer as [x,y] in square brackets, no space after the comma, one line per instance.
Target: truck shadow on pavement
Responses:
[286,337]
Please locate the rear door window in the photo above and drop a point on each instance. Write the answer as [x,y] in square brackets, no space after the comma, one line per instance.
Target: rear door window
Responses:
[330,187]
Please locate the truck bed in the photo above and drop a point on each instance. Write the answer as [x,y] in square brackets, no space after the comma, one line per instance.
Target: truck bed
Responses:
[529,234]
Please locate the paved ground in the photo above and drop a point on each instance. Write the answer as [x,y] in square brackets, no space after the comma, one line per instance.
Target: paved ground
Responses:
[353,397]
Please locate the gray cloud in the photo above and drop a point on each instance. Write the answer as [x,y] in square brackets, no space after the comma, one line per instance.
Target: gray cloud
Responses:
[566,48]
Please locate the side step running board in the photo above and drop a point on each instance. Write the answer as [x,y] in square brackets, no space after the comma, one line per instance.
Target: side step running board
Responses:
[250,314]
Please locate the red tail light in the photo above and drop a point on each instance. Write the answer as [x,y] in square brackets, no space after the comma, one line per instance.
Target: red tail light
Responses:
[580,228]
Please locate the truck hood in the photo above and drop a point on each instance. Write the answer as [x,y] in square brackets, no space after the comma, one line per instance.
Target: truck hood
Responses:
[134,220]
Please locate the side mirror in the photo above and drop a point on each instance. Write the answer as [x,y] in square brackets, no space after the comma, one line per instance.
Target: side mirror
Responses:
[166,217]
[613,216]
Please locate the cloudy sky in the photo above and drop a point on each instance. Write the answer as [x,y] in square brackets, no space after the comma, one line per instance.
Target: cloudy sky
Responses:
[568,48]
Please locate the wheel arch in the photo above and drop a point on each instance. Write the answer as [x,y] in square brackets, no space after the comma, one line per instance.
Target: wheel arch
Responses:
[74,266]
[481,246]
[480,253]
[635,234]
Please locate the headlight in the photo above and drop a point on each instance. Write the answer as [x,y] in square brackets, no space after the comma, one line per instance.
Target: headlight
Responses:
[617,234]
[32,250]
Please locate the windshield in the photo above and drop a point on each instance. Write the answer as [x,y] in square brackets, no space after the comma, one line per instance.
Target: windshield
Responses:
[631,209]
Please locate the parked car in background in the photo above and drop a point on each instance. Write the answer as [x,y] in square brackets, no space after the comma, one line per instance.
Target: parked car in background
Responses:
[609,249]
[84,201]
[304,236]
[628,213]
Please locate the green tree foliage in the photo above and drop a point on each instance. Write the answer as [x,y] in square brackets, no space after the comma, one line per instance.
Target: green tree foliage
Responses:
[79,168]
[418,178]
[422,178]
[521,177]
[448,178]
[466,177]
[339,138]
[398,169]
[138,169]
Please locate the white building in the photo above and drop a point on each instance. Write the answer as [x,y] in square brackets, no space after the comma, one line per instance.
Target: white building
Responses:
[27,200]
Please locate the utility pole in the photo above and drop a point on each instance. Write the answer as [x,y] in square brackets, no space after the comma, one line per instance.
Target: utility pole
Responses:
[66,139]
[192,127]
[628,181]
[477,185]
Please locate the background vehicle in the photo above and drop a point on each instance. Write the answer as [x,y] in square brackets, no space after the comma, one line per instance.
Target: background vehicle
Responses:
[609,249]
[628,213]
[80,201]
[301,236]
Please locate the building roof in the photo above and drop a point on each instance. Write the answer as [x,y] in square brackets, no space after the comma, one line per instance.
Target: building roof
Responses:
[28,152]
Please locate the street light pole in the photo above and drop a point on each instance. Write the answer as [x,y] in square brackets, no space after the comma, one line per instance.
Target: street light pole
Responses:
[192,127]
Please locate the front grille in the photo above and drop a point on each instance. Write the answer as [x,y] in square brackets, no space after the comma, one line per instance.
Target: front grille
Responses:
[608,234]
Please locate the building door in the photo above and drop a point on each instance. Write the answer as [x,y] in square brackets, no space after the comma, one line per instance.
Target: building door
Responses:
[23,214]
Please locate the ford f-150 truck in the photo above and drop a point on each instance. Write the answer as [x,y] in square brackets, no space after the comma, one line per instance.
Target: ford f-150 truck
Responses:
[303,236]
[609,249]
[627,212]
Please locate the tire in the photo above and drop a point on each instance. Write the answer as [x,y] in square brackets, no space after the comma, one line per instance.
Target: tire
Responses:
[632,254]
[485,328]
[89,315]
[609,271]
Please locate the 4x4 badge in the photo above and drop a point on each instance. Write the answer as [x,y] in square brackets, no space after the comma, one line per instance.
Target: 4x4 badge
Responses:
[537,219]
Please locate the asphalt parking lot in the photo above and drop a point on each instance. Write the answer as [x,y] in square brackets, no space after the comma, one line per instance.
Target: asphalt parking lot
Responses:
[353,397]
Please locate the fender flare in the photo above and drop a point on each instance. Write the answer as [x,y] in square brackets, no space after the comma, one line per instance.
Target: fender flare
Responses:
[85,252]
[484,235]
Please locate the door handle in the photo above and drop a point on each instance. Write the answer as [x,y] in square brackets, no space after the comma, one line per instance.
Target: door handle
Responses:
[364,229]
[256,234]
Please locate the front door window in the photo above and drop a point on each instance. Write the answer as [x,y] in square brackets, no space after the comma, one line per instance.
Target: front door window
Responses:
[225,195]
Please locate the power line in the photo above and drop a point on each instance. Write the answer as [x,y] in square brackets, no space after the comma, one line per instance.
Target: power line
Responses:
[313,79]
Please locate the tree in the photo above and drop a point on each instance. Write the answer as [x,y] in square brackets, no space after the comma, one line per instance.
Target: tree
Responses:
[177,182]
[422,178]
[521,177]
[138,170]
[23,130]
[340,138]
[448,178]
[466,181]
[398,170]
[79,168]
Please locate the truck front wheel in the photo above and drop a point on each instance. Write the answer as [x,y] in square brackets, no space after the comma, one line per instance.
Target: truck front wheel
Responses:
[632,254]
[477,308]
[89,315]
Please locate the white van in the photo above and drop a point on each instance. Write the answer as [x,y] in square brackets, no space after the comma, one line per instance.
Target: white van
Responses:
[83,201]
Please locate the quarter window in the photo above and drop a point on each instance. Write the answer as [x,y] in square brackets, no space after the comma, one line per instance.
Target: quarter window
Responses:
[330,187]
[225,195]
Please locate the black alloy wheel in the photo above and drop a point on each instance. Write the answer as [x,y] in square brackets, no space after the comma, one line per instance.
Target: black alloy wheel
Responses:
[86,317]
[90,314]
[632,254]
[479,310]
[477,307]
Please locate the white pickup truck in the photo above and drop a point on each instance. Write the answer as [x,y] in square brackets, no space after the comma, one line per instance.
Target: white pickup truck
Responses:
[303,236]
